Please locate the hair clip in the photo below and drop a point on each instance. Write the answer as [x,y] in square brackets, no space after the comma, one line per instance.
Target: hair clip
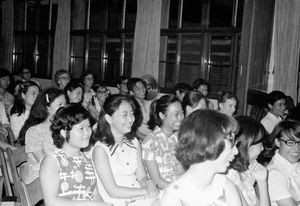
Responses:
[47,98]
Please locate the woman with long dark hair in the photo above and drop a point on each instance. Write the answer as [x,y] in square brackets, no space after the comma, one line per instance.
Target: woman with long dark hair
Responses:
[117,158]
[28,91]
[166,116]
[245,172]
[36,136]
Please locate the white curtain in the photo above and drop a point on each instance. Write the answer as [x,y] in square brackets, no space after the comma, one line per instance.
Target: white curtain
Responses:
[147,38]
[62,36]
[286,46]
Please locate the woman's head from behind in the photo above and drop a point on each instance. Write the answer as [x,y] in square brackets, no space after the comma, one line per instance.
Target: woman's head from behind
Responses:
[166,112]
[116,119]
[227,102]
[74,92]
[249,142]
[192,101]
[71,125]
[207,135]
[286,138]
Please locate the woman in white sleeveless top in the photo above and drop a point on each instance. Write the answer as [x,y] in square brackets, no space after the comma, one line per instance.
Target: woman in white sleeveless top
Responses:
[116,155]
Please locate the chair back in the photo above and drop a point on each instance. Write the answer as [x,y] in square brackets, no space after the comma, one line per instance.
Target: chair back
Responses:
[5,174]
[15,159]
[10,137]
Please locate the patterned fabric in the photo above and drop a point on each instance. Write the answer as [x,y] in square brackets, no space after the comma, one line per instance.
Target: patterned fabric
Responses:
[37,138]
[77,179]
[177,194]
[157,147]
[245,182]
[8,100]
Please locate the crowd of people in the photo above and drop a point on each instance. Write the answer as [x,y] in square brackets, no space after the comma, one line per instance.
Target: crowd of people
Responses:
[86,146]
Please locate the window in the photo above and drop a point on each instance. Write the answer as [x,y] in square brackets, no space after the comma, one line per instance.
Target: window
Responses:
[102,38]
[34,23]
[202,41]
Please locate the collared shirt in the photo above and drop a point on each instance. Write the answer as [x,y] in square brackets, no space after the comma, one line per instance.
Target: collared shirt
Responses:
[123,161]
[284,179]
[160,148]
[270,121]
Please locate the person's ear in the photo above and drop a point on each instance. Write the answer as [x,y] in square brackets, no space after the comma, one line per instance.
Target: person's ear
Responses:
[277,143]
[220,105]
[161,115]
[270,106]
[23,95]
[108,118]
[63,133]
[188,109]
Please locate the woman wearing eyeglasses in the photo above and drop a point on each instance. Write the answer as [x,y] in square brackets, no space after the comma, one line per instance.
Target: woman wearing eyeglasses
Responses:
[205,148]
[284,168]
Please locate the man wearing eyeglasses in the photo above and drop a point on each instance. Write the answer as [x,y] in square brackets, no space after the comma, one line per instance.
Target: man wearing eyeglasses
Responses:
[284,168]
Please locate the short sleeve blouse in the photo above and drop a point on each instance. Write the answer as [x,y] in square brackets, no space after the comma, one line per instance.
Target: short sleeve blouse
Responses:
[160,148]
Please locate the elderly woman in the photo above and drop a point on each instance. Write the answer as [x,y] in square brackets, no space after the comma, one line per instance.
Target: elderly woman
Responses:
[205,148]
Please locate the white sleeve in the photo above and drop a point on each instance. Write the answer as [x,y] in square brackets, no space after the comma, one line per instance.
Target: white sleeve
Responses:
[278,186]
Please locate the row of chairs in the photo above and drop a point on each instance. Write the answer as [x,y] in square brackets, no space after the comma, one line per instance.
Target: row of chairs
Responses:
[11,161]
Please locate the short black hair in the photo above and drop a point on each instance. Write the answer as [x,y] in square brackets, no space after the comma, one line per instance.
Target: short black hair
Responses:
[275,96]
[72,85]
[132,82]
[182,87]
[224,95]
[65,118]
[160,105]
[198,82]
